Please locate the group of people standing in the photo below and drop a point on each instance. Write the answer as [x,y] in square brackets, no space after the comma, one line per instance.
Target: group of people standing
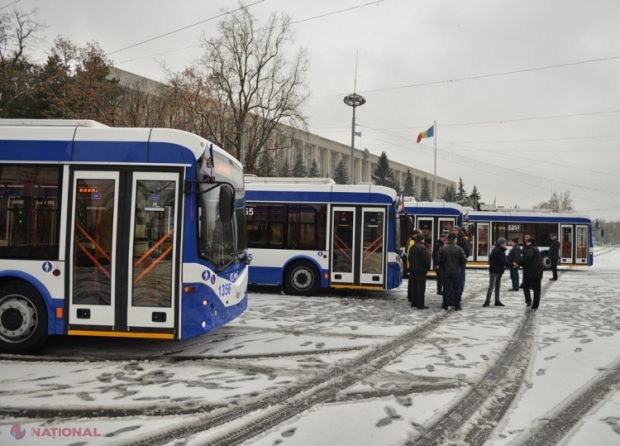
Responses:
[450,255]
[527,257]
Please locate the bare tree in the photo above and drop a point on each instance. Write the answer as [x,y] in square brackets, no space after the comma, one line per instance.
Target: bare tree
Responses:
[244,85]
[18,32]
[559,202]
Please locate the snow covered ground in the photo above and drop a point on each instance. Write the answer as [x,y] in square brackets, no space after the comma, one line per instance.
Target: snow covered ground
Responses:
[356,370]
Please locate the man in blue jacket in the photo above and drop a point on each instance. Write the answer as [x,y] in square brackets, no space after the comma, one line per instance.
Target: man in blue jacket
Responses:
[554,255]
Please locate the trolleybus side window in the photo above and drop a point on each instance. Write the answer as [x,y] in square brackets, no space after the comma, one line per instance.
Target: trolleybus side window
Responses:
[29,212]
[306,226]
[265,225]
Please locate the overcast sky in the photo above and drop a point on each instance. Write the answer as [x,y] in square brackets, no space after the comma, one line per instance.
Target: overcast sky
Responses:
[525,94]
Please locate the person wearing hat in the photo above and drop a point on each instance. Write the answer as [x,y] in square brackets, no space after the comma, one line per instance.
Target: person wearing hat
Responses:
[419,264]
[514,254]
[497,266]
[532,264]
[452,259]
[554,255]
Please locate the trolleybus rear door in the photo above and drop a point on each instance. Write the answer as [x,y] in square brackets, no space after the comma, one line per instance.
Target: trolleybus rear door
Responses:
[583,245]
[567,243]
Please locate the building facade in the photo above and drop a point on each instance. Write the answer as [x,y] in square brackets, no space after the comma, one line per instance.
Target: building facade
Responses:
[289,144]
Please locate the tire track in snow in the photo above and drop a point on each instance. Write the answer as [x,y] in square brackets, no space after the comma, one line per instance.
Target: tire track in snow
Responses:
[293,400]
[473,418]
[552,429]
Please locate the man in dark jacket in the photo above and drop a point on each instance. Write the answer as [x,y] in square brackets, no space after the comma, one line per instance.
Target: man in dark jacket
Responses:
[461,241]
[513,256]
[452,259]
[497,266]
[438,271]
[554,255]
[419,264]
[531,260]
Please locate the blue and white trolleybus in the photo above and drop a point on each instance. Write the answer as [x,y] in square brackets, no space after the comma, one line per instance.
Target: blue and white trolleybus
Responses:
[311,233]
[117,232]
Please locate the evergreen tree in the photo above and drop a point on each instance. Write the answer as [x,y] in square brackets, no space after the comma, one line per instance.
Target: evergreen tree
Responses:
[449,194]
[461,194]
[383,175]
[266,165]
[341,176]
[313,171]
[409,186]
[299,169]
[285,170]
[425,195]
[474,197]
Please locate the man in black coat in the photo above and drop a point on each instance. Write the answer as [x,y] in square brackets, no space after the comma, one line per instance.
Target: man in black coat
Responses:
[514,255]
[453,260]
[554,255]
[439,271]
[419,264]
[497,266]
[461,241]
[532,264]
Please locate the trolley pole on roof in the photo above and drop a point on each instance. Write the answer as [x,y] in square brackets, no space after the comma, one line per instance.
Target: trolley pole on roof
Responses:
[354,100]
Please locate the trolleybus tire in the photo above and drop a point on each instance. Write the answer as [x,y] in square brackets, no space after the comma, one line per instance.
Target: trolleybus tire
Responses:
[23,318]
[546,261]
[302,278]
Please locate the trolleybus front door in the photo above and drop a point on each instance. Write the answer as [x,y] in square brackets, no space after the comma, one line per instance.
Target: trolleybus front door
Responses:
[567,243]
[123,275]
[358,246]
[482,242]
[342,245]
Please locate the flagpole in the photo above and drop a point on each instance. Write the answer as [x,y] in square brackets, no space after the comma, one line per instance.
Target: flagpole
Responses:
[435,172]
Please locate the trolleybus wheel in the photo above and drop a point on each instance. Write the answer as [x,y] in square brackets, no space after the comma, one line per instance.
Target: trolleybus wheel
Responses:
[302,278]
[23,318]
[546,263]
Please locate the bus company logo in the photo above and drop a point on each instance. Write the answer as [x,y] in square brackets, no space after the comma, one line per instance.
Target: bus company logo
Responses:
[18,432]
[206,275]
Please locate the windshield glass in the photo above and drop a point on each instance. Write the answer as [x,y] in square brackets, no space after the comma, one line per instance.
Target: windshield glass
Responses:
[222,243]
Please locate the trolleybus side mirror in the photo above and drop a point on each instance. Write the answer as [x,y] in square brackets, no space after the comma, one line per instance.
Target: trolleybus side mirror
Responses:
[227,203]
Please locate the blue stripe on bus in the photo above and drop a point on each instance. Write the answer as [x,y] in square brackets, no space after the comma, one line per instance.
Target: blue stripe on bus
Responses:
[334,198]
[528,219]
[96,151]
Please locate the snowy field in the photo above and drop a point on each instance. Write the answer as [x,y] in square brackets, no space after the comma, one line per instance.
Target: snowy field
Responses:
[354,370]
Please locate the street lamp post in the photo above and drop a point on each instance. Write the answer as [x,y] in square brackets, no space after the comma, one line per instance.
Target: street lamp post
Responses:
[353,100]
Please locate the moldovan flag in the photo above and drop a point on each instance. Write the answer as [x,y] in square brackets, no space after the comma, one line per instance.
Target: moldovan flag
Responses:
[426,134]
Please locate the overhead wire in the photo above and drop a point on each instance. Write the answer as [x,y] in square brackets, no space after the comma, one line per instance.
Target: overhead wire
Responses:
[184,28]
